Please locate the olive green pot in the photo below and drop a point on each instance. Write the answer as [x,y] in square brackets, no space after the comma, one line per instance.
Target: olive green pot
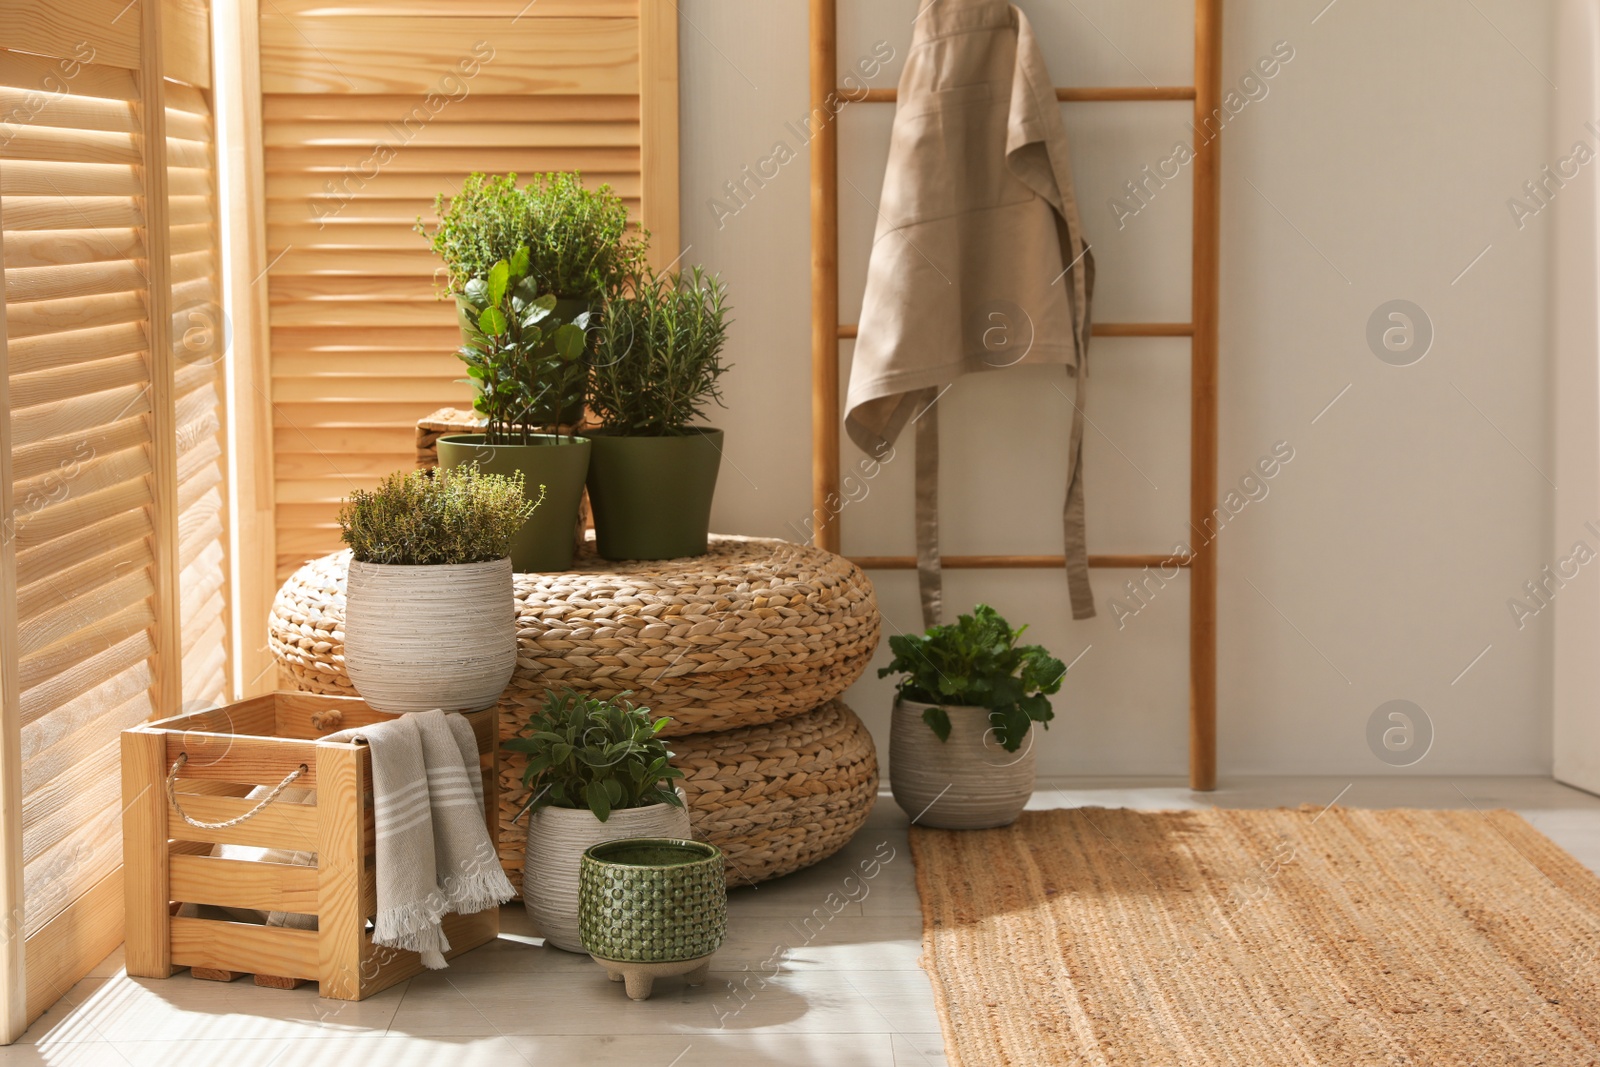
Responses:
[545,542]
[570,412]
[652,495]
[652,900]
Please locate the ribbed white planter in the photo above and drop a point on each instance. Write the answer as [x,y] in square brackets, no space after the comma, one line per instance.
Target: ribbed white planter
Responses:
[419,638]
[966,783]
[557,838]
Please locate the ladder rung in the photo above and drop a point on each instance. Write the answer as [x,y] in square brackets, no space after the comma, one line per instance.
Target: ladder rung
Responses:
[1080,94]
[909,563]
[848,330]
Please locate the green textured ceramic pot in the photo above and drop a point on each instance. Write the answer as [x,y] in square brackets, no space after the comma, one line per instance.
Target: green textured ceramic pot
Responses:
[652,495]
[652,900]
[560,464]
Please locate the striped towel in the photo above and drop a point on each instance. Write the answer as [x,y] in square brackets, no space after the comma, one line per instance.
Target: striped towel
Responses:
[434,855]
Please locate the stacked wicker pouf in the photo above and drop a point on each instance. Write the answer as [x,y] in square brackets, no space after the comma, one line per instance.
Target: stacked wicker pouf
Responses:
[747,649]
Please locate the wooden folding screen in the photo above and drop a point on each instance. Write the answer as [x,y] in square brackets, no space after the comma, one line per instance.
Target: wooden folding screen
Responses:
[827,331]
[113,569]
[370,108]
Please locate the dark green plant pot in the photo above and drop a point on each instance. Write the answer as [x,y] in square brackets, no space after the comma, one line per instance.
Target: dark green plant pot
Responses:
[652,495]
[560,464]
[571,408]
[652,900]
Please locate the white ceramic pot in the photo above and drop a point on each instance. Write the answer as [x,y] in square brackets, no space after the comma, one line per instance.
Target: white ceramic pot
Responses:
[557,838]
[968,782]
[419,638]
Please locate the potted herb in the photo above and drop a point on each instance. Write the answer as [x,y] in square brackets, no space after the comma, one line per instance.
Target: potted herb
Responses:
[960,741]
[598,770]
[578,240]
[425,546]
[657,365]
[521,358]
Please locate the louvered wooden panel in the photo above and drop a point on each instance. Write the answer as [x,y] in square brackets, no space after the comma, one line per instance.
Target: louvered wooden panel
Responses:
[369,112]
[79,409]
[113,560]
[199,340]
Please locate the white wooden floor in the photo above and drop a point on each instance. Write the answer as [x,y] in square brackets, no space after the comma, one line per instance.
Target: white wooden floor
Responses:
[844,949]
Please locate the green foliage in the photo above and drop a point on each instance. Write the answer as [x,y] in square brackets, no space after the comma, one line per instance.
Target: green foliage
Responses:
[976,662]
[525,364]
[437,516]
[657,361]
[584,752]
[578,240]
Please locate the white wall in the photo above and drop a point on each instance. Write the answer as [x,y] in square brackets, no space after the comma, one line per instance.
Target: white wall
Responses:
[1379,565]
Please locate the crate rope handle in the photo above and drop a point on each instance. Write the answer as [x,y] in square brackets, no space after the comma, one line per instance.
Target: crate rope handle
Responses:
[277,791]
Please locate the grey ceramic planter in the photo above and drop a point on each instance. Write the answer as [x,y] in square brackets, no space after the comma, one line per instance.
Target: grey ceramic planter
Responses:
[968,782]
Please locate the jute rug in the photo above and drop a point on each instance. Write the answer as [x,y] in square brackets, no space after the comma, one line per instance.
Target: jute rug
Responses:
[1093,936]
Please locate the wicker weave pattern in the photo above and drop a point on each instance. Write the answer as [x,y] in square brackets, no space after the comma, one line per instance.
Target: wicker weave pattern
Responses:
[755,631]
[781,797]
[774,798]
[747,648]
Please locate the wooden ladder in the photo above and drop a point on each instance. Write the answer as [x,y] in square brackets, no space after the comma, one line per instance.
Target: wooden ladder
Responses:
[827,331]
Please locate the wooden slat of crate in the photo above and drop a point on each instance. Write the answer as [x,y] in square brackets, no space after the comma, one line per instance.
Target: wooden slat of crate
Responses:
[383,967]
[254,716]
[226,946]
[341,860]
[279,825]
[236,758]
[244,884]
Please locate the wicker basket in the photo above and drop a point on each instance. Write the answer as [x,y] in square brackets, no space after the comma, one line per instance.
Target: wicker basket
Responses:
[752,632]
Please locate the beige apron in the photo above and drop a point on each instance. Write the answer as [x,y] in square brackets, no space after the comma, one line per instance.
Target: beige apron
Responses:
[978,262]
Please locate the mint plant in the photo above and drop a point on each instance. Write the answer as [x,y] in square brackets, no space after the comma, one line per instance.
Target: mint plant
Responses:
[976,662]
[604,755]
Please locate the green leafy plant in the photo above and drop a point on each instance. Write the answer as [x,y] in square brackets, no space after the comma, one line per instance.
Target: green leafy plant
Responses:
[658,356]
[578,238]
[441,516]
[604,755]
[976,662]
[525,365]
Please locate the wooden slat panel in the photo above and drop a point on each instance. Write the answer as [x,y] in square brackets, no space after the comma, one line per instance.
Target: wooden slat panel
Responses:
[244,947]
[47,317]
[412,191]
[89,928]
[454,134]
[60,807]
[186,28]
[280,825]
[236,758]
[244,884]
[404,54]
[68,110]
[478,107]
[107,27]
[63,75]
[56,755]
[502,9]
[70,868]
[79,684]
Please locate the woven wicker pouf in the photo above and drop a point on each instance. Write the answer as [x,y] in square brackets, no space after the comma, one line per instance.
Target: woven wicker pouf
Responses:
[780,797]
[746,648]
[754,631]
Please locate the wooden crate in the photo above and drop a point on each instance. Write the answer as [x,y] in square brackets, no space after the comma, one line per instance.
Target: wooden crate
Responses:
[167,862]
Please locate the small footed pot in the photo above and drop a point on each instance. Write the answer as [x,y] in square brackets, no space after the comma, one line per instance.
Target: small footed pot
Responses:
[652,907]
[557,840]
